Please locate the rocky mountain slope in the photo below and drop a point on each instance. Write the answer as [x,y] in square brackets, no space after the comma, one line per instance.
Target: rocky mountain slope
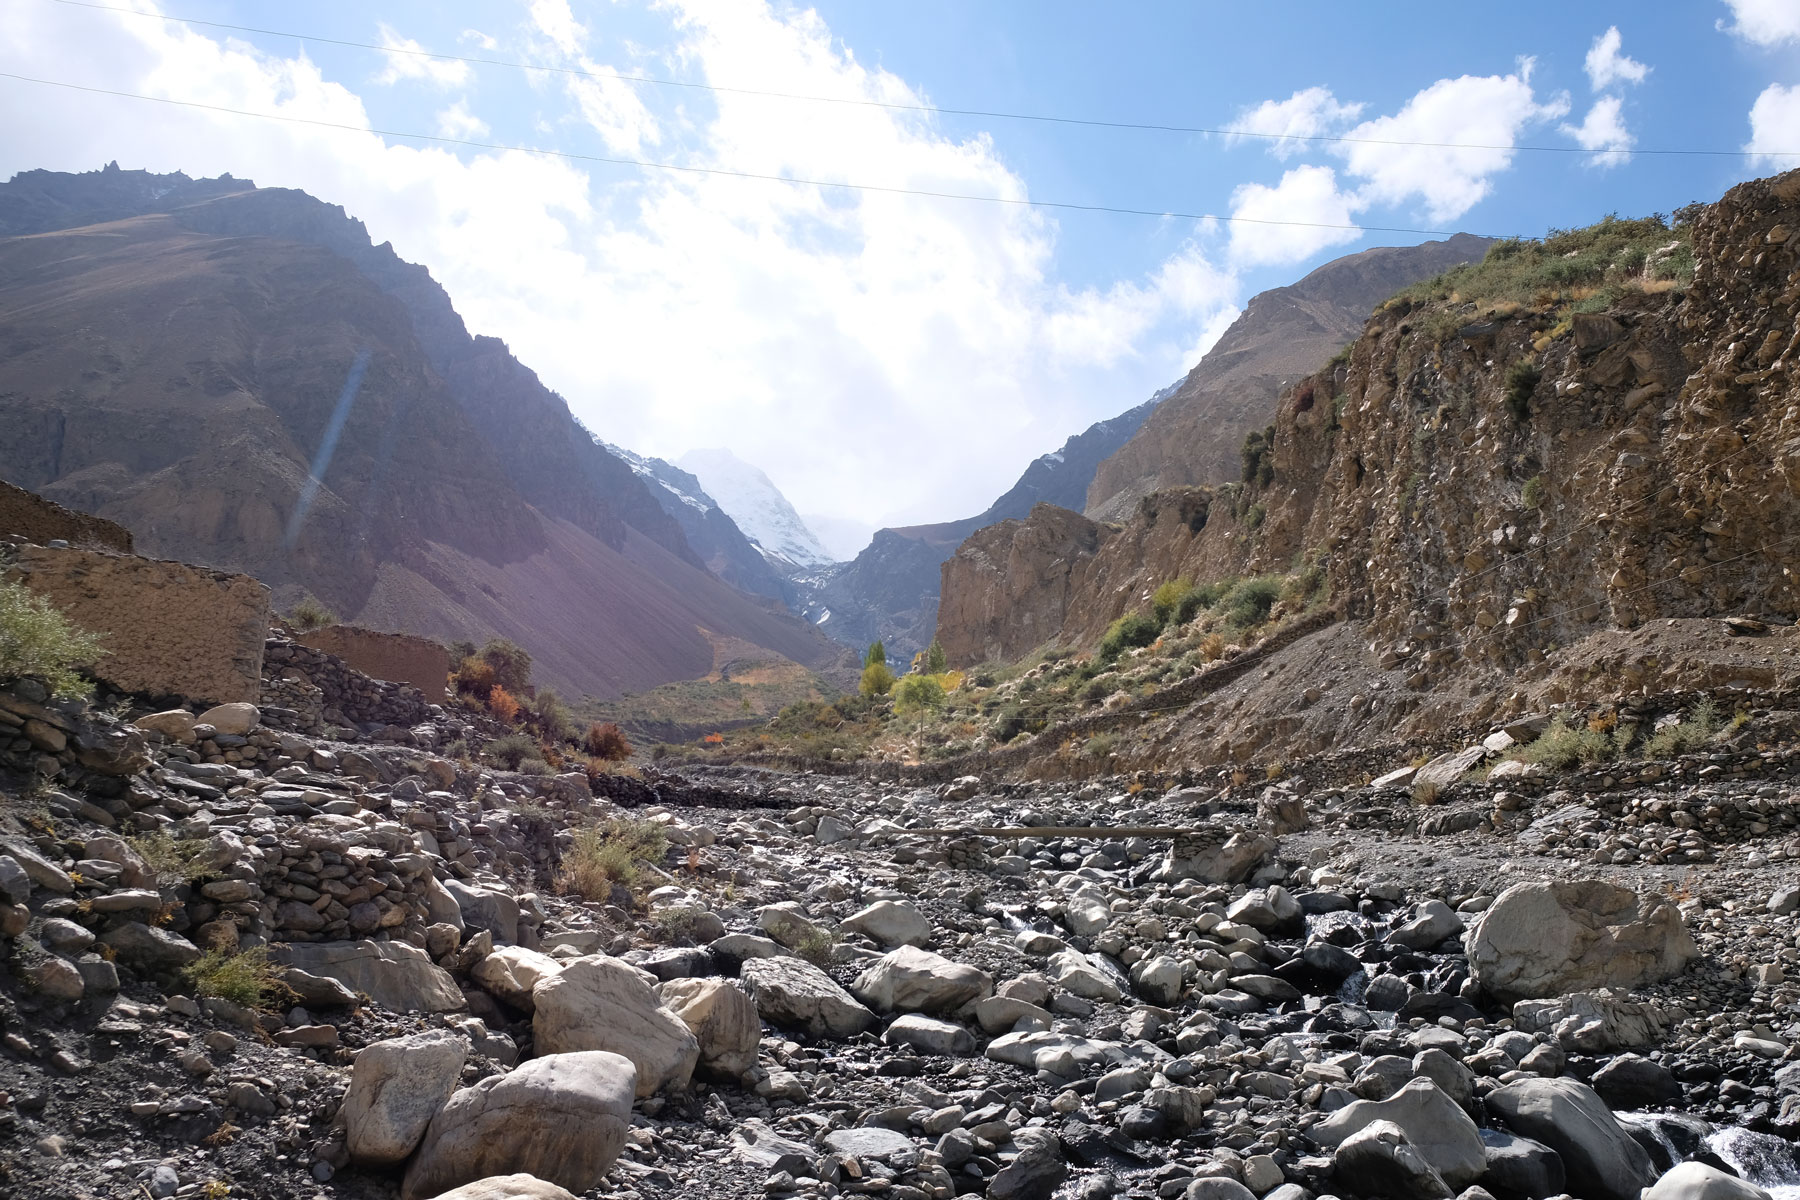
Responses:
[184,370]
[759,509]
[1509,489]
[1189,432]
[1282,334]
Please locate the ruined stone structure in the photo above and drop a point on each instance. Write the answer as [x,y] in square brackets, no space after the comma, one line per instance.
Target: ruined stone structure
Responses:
[401,657]
[29,517]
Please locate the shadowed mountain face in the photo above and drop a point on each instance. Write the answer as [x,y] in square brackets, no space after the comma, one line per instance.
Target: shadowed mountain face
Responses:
[1195,436]
[184,372]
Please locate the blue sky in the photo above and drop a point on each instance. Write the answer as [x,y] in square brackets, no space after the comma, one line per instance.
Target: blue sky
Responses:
[889,358]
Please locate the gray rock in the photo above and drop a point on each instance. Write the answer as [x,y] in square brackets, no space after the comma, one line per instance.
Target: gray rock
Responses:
[722,1018]
[912,980]
[396,975]
[1217,1188]
[148,948]
[1518,1166]
[486,908]
[1551,938]
[508,1187]
[890,923]
[1232,862]
[873,1142]
[1600,1159]
[796,994]
[1431,923]
[1632,1081]
[15,884]
[599,1003]
[1378,1160]
[1431,1122]
[396,1087]
[561,1118]
[1697,1181]
[1036,1173]
[930,1035]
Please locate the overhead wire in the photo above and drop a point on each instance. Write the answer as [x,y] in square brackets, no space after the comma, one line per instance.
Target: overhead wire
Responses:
[686,168]
[904,106]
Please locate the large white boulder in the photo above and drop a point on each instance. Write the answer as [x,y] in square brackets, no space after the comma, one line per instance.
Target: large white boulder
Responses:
[723,1019]
[1601,1159]
[1697,1181]
[912,980]
[599,1003]
[512,973]
[890,923]
[561,1119]
[797,995]
[396,975]
[1433,1125]
[1551,938]
[508,1187]
[396,1088]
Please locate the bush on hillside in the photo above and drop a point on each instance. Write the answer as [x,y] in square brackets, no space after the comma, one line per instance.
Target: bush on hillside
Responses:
[877,654]
[309,614]
[473,678]
[936,661]
[1127,633]
[877,680]
[1166,600]
[513,749]
[606,741]
[917,693]
[37,640]
[511,664]
[551,717]
[501,703]
[1248,603]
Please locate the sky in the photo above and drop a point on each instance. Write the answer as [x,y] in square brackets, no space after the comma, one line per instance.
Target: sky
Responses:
[889,357]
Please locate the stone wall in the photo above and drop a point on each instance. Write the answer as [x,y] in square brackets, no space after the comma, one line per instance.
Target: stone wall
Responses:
[170,629]
[400,657]
[347,697]
[30,517]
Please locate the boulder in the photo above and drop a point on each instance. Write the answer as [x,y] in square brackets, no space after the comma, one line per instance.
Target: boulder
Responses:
[796,994]
[1379,1160]
[396,1088]
[1446,769]
[1518,1166]
[1697,1181]
[508,1187]
[1632,1081]
[1036,1172]
[486,908]
[1231,862]
[398,976]
[176,724]
[789,925]
[600,1003]
[510,973]
[1600,1159]
[930,1035]
[890,923]
[1431,923]
[1431,1122]
[1550,938]
[723,1019]
[561,1119]
[912,980]
[148,948]
[234,720]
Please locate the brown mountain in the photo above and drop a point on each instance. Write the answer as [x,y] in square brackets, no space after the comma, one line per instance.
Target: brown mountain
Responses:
[182,372]
[1195,436]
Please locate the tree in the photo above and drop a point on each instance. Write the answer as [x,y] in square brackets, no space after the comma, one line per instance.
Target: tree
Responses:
[877,680]
[917,693]
[936,661]
[511,664]
[877,655]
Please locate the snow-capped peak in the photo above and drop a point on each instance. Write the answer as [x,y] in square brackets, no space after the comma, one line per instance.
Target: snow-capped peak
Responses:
[752,500]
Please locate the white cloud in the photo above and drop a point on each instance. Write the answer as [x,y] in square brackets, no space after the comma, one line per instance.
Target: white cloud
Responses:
[1603,129]
[817,332]
[553,20]
[1308,195]
[1305,114]
[1764,22]
[1606,65]
[614,110]
[1775,127]
[1444,147]
[479,39]
[406,59]
[458,122]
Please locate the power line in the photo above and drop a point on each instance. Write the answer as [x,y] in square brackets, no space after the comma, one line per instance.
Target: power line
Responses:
[896,106]
[1016,202]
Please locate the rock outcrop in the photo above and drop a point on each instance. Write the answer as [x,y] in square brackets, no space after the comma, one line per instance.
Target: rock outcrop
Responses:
[1553,938]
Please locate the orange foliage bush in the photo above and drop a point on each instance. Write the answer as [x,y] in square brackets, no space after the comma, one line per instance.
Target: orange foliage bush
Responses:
[473,677]
[714,739]
[502,705]
[607,741]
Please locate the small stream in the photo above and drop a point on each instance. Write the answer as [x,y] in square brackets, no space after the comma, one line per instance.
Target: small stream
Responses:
[1771,1163]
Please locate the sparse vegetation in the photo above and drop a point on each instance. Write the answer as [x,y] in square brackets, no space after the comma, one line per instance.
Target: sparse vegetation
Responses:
[1687,735]
[246,978]
[37,641]
[918,693]
[1249,602]
[1532,495]
[1127,633]
[1521,380]
[513,750]
[174,862]
[817,947]
[310,614]
[607,742]
[613,854]
[876,680]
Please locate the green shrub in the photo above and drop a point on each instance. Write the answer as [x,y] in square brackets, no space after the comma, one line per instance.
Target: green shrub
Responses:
[877,680]
[551,717]
[917,693]
[1127,633]
[1255,517]
[174,862]
[1198,598]
[37,640]
[511,664]
[514,750]
[817,946]
[1248,603]
[877,654]
[1521,381]
[611,854]
[1562,746]
[1166,600]
[246,978]
[1533,493]
[936,661]
[1685,736]
[309,614]
[1100,747]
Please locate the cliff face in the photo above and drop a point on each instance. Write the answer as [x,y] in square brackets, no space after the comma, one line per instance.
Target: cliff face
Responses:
[1006,589]
[1282,334]
[1482,486]
[185,373]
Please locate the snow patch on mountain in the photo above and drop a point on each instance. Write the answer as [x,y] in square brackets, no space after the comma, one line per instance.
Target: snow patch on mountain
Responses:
[665,475]
[751,499]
